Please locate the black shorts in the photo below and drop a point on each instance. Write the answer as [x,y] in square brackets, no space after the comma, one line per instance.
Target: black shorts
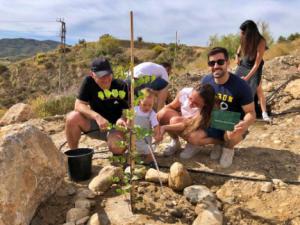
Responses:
[215,133]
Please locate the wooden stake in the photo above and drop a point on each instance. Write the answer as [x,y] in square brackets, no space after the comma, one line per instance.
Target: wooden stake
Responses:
[132,149]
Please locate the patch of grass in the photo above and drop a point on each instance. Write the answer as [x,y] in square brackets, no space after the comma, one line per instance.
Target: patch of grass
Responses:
[44,106]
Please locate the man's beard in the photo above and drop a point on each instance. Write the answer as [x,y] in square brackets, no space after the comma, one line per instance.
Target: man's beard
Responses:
[218,73]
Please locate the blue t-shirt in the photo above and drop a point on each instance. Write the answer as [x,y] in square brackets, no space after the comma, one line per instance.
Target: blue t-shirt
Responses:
[232,95]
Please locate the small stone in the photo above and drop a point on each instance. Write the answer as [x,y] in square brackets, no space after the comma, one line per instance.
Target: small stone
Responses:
[94,220]
[84,203]
[82,220]
[267,187]
[277,141]
[75,214]
[279,183]
[85,193]
[176,213]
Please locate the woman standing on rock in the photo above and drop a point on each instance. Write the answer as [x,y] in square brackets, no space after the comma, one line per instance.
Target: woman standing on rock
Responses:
[250,61]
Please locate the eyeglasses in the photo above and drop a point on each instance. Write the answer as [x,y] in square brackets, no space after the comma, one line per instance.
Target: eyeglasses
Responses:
[220,62]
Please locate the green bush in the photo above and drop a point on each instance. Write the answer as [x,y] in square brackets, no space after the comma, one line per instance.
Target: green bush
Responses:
[231,42]
[40,58]
[45,106]
[108,45]
[158,49]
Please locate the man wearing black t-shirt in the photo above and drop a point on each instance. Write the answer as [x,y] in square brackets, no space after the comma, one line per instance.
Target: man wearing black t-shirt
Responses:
[232,94]
[100,101]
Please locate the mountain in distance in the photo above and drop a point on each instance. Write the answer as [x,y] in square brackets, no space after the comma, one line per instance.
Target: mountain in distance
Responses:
[18,48]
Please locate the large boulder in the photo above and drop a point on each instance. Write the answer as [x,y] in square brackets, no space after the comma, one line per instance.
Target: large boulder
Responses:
[31,169]
[17,113]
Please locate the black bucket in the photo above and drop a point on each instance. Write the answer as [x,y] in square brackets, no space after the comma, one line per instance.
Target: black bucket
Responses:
[79,163]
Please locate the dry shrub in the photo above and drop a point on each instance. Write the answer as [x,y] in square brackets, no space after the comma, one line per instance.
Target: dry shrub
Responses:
[2,112]
[44,106]
[279,49]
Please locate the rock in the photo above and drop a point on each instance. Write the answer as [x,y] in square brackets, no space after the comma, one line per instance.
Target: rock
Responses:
[176,213]
[82,221]
[279,183]
[153,175]
[267,187]
[84,203]
[31,170]
[69,223]
[17,113]
[197,193]
[104,180]
[179,178]
[94,220]
[139,171]
[293,88]
[295,221]
[86,193]
[210,216]
[75,214]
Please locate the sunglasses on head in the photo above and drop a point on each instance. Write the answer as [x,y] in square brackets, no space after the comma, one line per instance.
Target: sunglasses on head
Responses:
[220,62]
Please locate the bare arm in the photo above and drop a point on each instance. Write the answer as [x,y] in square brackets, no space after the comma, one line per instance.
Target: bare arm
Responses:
[174,127]
[248,119]
[84,108]
[259,57]
[175,104]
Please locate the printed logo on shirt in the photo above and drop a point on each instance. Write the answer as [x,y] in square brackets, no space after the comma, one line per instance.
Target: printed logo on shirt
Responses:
[114,93]
[223,100]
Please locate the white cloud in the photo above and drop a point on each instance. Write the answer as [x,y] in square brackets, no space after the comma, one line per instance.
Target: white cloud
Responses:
[154,20]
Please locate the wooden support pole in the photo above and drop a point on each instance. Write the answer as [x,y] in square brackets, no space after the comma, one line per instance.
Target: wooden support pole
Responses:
[132,148]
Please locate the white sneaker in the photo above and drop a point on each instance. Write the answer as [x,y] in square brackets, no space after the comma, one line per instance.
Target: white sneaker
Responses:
[266,117]
[216,152]
[172,148]
[227,157]
[189,151]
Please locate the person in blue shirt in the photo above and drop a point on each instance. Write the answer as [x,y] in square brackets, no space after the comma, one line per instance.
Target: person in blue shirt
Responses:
[232,94]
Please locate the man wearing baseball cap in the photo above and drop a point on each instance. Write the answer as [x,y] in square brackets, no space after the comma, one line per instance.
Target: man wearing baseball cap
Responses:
[100,101]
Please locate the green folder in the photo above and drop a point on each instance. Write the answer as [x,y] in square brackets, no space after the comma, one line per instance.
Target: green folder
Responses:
[224,120]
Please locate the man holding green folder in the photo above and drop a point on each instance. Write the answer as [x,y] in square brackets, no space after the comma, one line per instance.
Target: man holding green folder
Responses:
[235,105]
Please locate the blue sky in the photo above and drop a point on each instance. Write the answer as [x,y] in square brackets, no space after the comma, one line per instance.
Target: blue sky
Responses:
[154,20]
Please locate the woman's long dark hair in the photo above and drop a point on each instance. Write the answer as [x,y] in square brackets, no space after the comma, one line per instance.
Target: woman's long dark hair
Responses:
[207,92]
[202,120]
[250,38]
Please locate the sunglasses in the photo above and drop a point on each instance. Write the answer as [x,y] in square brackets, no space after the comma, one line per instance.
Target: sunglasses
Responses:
[220,62]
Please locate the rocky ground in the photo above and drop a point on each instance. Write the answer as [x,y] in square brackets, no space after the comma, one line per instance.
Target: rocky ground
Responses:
[261,187]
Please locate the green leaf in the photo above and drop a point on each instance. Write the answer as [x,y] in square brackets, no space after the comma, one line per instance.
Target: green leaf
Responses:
[122,94]
[101,95]
[153,77]
[107,93]
[147,79]
[115,93]
[115,179]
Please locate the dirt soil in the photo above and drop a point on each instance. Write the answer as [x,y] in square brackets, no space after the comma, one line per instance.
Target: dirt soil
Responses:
[270,151]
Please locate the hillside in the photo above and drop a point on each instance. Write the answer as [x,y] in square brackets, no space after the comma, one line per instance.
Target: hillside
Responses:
[18,48]
[39,75]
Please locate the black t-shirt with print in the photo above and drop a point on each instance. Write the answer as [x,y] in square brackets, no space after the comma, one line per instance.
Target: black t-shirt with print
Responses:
[110,107]
[232,95]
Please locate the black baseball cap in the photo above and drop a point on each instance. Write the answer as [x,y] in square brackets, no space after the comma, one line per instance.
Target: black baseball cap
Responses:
[101,67]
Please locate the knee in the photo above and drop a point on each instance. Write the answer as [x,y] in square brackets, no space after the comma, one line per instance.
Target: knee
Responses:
[175,119]
[74,118]
[161,114]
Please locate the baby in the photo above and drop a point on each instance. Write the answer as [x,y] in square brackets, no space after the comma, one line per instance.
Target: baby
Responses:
[145,117]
